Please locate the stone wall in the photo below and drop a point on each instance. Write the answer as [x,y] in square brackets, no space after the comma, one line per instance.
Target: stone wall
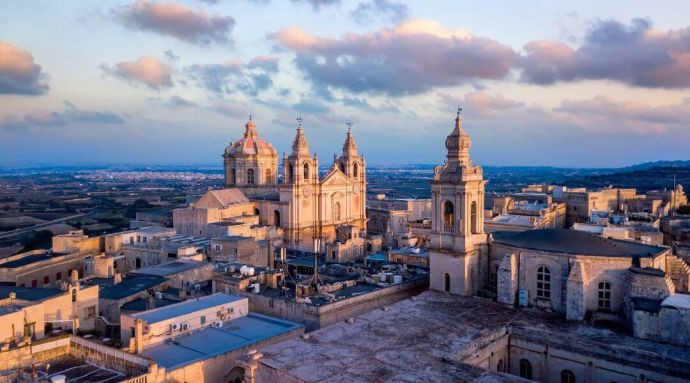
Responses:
[315,317]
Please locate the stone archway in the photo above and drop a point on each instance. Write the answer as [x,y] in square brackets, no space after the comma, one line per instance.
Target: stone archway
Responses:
[236,375]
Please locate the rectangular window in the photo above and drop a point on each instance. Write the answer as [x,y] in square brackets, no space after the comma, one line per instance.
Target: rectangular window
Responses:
[58,276]
[203,319]
[34,283]
[46,280]
[90,312]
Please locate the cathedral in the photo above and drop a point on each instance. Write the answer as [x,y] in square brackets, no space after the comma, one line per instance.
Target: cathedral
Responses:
[317,212]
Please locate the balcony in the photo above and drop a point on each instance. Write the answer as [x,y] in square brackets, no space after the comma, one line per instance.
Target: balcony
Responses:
[449,228]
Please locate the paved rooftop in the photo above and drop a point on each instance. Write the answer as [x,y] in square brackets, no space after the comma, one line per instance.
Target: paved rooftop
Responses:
[426,339]
[209,342]
[186,307]
[171,268]
[26,260]
[575,242]
[130,285]
[28,293]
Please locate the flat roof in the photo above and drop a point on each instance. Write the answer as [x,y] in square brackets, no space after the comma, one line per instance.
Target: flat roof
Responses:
[167,269]
[209,342]
[28,293]
[130,285]
[141,303]
[681,301]
[186,307]
[27,260]
[426,339]
[575,242]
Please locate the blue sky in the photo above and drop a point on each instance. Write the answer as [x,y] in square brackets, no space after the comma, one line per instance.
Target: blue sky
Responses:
[568,83]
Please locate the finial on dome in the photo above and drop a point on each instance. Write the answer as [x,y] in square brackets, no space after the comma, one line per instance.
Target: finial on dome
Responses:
[459,112]
[349,124]
[250,117]
[299,121]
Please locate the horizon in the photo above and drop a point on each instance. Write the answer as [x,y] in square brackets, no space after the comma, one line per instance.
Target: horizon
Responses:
[565,85]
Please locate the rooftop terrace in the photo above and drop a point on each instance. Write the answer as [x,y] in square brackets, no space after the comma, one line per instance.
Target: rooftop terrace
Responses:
[186,307]
[209,342]
[426,339]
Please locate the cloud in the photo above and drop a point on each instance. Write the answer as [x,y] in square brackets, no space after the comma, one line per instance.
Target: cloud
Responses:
[71,115]
[634,54]
[171,56]
[366,12]
[480,104]
[176,20]
[19,74]
[231,76]
[413,57]
[177,101]
[146,70]
[267,63]
[318,4]
[633,116]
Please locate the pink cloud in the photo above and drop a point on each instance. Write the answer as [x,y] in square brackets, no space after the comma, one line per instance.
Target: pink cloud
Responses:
[178,21]
[19,74]
[147,70]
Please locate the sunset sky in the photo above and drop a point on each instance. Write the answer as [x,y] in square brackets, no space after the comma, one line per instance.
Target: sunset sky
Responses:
[554,83]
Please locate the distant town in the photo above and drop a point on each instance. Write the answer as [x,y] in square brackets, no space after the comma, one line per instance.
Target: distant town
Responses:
[263,272]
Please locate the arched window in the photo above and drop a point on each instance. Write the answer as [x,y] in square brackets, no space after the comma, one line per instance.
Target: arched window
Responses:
[567,376]
[306,172]
[276,218]
[473,218]
[250,176]
[256,211]
[269,176]
[604,301]
[233,176]
[525,369]
[355,170]
[446,282]
[290,173]
[342,167]
[336,211]
[543,282]
[448,215]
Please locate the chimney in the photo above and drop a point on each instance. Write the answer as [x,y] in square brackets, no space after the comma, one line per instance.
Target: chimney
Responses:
[117,278]
[138,335]
[74,277]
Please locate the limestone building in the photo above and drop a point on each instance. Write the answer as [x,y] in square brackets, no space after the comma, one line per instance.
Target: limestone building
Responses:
[458,240]
[313,212]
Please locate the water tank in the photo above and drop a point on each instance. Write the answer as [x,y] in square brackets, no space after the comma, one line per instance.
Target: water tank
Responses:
[397,279]
[58,379]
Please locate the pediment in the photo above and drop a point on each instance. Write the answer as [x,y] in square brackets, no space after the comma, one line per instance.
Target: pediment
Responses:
[336,177]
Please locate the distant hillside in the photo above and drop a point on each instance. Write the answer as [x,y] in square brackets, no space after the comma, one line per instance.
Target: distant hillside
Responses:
[656,164]
[641,177]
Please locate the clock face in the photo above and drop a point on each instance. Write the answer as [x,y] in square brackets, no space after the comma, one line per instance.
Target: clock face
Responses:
[306,192]
[355,189]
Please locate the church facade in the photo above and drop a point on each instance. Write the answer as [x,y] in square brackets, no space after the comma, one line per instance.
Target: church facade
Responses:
[580,275]
[317,212]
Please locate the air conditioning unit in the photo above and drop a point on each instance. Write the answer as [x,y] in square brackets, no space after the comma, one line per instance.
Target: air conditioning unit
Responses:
[175,326]
[185,326]
[158,295]
[218,324]
[197,287]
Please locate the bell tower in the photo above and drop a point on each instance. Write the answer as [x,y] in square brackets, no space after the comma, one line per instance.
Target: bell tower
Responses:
[457,219]
[300,187]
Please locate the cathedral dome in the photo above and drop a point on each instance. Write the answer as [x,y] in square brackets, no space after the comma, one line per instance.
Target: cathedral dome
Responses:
[251,144]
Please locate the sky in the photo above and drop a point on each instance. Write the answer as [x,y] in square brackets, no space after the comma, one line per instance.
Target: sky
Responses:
[541,83]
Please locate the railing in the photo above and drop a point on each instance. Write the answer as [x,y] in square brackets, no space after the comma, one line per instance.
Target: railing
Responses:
[449,228]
